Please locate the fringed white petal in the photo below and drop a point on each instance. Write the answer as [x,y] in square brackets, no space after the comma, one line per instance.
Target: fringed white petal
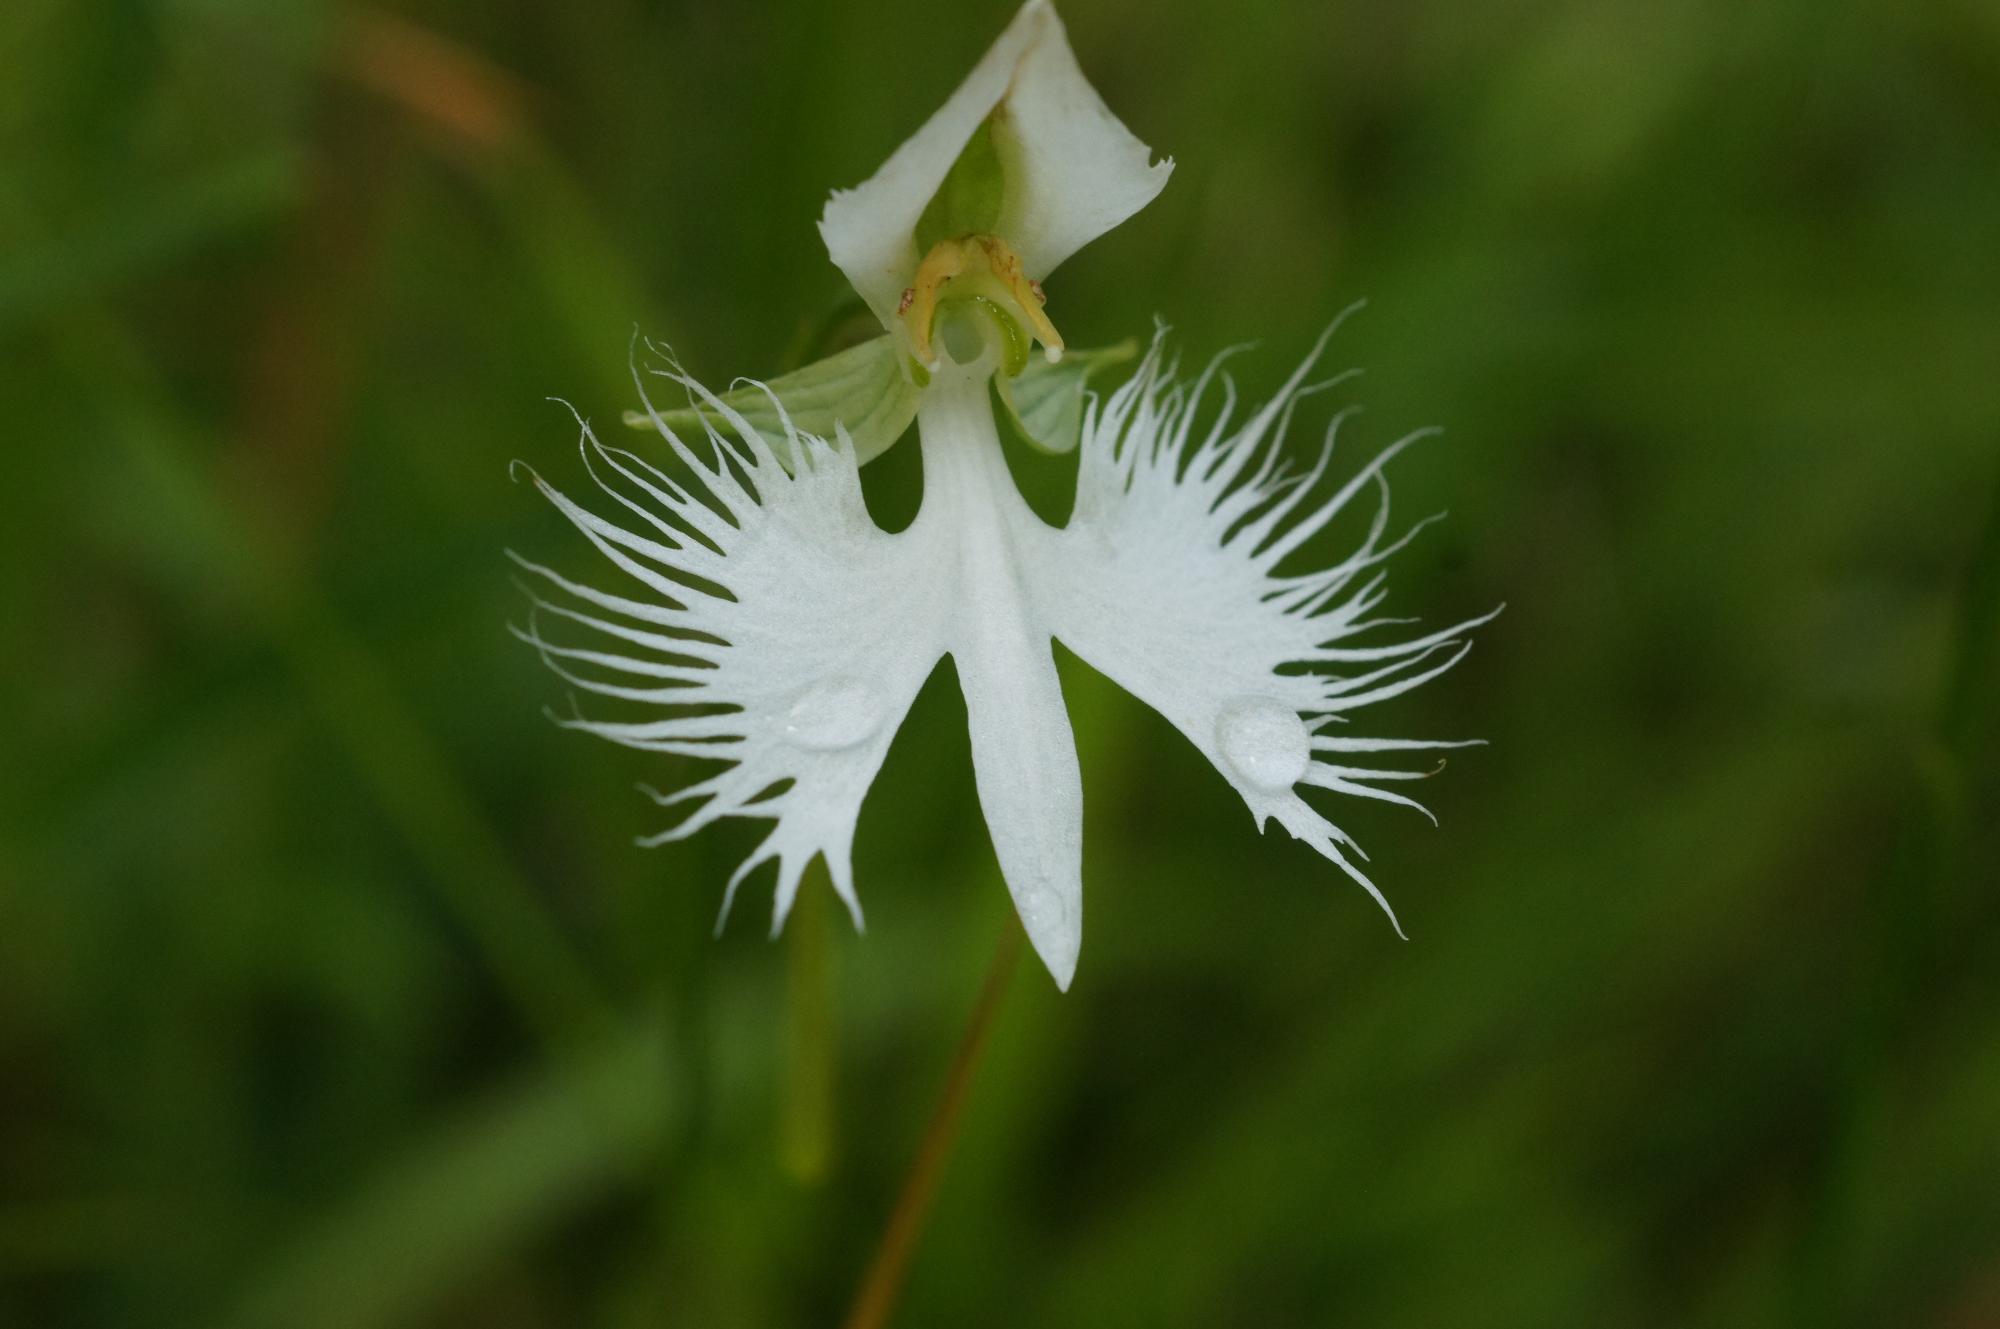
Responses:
[1167,581]
[766,623]
[1073,170]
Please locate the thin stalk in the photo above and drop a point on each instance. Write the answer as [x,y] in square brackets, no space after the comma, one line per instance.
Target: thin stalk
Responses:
[805,1122]
[883,1282]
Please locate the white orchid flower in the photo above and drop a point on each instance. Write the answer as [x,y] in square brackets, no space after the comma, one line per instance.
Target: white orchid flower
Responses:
[771,625]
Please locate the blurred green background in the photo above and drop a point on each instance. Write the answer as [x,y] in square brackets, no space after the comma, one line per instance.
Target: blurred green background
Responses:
[334,993]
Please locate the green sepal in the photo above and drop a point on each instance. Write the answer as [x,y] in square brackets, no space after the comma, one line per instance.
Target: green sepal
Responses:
[1043,406]
[863,387]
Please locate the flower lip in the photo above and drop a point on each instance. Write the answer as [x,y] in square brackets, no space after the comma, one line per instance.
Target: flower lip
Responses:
[1072,170]
[795,666]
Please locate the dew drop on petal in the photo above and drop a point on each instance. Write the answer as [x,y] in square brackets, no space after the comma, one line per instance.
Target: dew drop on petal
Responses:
[833,714]
[1264,742]
[1041,909]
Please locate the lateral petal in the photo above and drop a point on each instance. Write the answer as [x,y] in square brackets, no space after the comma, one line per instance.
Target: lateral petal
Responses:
[783,633]
[1166,580]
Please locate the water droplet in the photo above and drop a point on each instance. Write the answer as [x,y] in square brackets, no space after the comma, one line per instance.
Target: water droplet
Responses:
[1264,742]
[1041,909]
[834,714]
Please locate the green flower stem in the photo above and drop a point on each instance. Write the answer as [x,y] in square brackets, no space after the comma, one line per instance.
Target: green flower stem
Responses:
[805,1122]
[883,1282]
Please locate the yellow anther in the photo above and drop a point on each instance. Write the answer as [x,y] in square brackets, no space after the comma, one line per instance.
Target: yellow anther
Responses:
[990,269]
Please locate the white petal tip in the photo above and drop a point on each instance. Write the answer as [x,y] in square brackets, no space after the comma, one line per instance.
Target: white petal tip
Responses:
[1394,922]
[1056,942]
[1063,973]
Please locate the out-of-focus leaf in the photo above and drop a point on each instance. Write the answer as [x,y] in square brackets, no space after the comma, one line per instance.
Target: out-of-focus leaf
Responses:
[414,780]
[80,262]
[436,1216]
